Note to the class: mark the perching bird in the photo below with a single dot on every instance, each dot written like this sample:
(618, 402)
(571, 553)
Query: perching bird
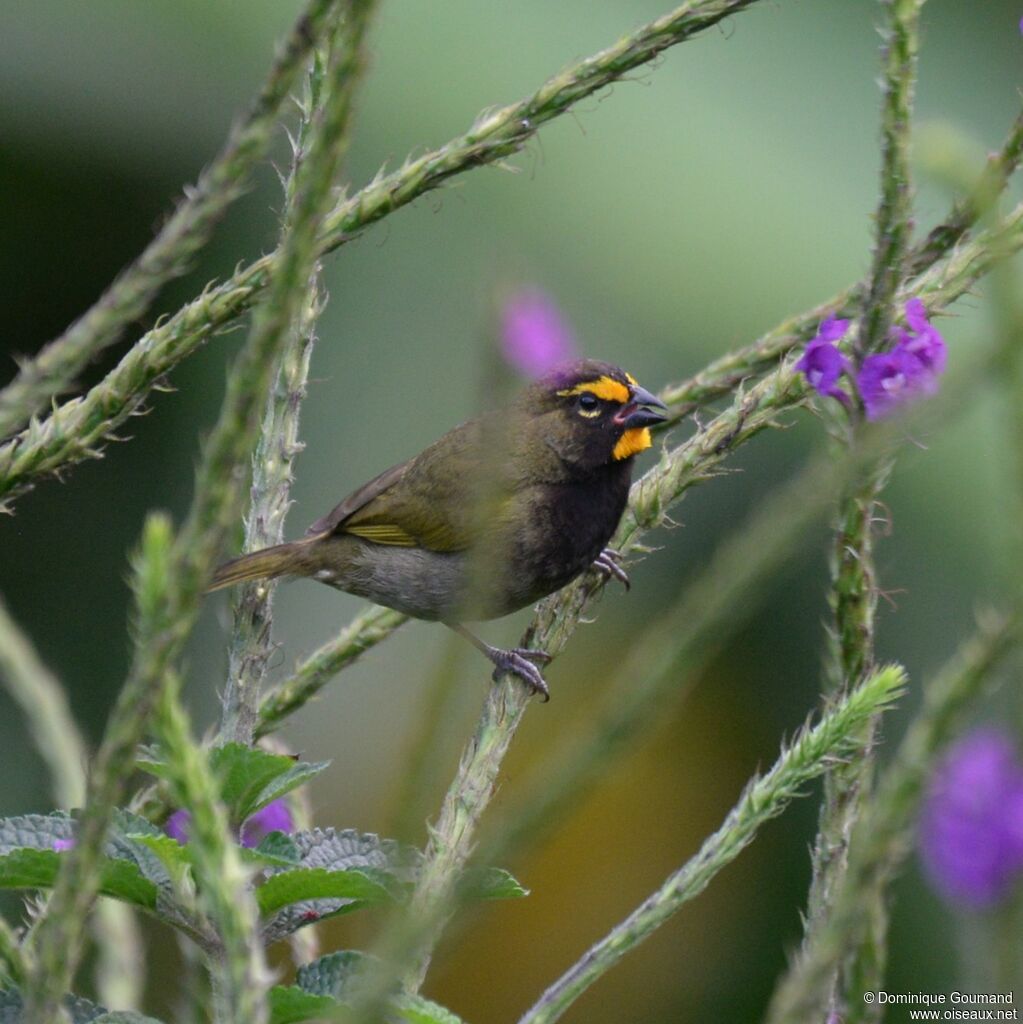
(500, 512)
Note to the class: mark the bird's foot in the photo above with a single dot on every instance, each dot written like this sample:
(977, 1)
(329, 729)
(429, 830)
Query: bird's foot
(607, 564)
(519, 662)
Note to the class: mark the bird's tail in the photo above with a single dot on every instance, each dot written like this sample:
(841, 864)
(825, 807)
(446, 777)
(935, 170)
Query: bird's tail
(262, 565)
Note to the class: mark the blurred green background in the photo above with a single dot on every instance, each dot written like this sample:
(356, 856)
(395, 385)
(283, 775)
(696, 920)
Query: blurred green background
(675, 216)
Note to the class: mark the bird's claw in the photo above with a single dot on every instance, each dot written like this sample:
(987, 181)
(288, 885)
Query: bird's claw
(606, 563)
(519, 662)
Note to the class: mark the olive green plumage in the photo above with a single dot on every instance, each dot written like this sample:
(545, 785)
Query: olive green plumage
(498, 513)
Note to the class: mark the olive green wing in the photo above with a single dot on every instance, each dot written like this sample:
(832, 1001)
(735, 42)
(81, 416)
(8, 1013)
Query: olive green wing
(430, 502)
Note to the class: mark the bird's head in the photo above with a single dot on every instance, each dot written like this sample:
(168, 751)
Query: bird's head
(592, 413)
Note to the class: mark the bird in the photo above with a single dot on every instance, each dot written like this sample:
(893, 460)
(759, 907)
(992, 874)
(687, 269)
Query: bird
(500, 512)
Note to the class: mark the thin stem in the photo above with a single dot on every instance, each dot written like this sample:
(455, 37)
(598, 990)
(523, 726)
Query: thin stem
(853, 596)
(170, 253)
(173, 605)
(278, 444)
(810, 754)
(883, 835)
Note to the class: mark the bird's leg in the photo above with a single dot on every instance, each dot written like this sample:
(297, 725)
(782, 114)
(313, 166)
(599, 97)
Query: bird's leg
(516, 660)
(606, 563)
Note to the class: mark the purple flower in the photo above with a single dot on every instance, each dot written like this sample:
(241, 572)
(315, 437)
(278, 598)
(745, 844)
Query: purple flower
(924, 341)
(63, 844)
(822, 363)
(911, 369)
(275, 817)
(535, 336)
(176, 826)
(887, 380)
(971, 825)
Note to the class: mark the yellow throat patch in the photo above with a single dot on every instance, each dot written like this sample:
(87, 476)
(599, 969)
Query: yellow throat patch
(605, 387)
(632, 442)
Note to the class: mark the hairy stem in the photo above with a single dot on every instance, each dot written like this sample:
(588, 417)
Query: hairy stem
(278, 444)
(810, 754)
(882, 836)
(853, 596)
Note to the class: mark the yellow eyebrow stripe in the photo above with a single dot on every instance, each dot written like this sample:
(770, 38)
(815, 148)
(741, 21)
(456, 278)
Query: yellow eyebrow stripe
(605, 387)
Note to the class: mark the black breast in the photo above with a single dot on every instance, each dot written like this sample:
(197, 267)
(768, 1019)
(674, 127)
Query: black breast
(569, 524)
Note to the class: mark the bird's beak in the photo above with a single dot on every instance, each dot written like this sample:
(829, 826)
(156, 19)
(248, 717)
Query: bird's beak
(635, 414)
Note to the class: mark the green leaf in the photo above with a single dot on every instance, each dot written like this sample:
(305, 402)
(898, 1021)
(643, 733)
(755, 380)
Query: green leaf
(37, 869)
(289, 1005)
(251, 778)
(359, 885)
(332, 981)
(333, 975)
(387, 862)
(492, 884)
(418, 1010)
(277, 849)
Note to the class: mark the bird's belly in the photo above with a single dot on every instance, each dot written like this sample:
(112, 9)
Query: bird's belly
(420, 583)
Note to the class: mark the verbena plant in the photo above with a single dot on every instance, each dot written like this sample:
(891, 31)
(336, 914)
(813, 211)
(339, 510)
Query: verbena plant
(230, 892)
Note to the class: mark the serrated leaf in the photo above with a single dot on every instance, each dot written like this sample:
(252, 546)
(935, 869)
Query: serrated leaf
(339, 851)
(251, 778)
(131, 825)
(171, 854)
(29, 868)
(492, 884)
(359, 885)
(335, 975)
(295, 776)
(333, 981)
(35, 831)
(290, 1005)
(276, 849)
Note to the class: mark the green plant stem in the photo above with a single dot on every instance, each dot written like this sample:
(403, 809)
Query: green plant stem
(170, 253)
(41, 697)
(883, 835)
(238, 971)
(853, 596)
(810, 754)
(174, 604)
(76, 429)
(278, 444)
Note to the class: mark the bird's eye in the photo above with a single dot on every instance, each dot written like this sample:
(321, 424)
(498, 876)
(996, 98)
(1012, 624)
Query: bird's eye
(589, 405)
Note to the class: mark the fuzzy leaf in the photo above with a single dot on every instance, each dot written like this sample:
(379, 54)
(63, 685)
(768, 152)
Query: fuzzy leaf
(250, 778)
(336, 977)
(333, 975)
(277, 849)
(336, 851)
(356, 885)
(289, 1005)
(37, 869)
